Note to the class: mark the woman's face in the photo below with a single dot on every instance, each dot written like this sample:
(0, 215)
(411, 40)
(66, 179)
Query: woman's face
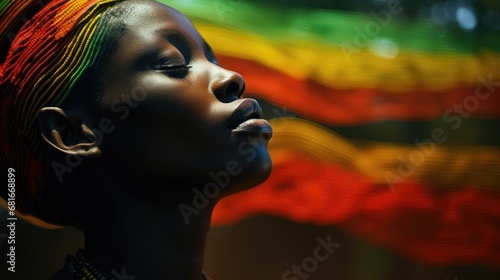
(176, 113)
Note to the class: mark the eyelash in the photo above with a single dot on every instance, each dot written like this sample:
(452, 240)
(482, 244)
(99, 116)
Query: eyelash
(173, 69)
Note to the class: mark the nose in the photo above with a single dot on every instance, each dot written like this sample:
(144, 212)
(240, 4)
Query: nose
(227, 85)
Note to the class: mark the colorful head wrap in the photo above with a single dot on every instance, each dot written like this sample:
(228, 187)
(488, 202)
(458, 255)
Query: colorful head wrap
(44, 60)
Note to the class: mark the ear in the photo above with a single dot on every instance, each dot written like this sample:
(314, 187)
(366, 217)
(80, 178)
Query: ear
(66, 135)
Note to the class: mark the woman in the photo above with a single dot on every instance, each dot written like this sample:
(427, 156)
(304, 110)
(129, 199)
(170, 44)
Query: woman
(117, 119)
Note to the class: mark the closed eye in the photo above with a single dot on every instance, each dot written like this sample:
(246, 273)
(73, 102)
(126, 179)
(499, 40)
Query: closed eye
(177, 71)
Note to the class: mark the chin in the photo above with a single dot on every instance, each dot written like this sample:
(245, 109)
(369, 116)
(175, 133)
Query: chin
(250, 174)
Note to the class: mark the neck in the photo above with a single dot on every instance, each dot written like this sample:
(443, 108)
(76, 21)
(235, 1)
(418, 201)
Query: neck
(148, 240)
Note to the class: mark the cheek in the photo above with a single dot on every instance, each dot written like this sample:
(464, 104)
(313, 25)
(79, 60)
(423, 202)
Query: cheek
(163, 104)
(168, 124)
(169, 133)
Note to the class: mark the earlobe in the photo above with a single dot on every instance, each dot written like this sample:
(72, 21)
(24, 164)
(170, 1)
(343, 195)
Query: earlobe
(66, 135)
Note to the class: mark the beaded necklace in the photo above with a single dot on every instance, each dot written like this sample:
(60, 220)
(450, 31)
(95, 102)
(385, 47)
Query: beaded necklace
(79, 267)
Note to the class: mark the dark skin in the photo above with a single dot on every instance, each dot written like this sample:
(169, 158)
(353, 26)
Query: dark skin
(175, 117)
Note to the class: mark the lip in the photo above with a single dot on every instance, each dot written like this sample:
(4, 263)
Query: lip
(259, 127)
(248, 118)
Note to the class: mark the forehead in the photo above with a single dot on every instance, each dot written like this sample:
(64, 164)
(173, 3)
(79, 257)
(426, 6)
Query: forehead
(150, 21)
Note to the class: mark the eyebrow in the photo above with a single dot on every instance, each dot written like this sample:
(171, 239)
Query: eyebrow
(174, 36)
(171, 34)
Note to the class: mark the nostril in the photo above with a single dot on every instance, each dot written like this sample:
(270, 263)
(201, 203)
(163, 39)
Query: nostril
(233, 89)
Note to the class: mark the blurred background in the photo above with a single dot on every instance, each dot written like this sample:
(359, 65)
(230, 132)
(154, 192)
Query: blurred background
(387, 134)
